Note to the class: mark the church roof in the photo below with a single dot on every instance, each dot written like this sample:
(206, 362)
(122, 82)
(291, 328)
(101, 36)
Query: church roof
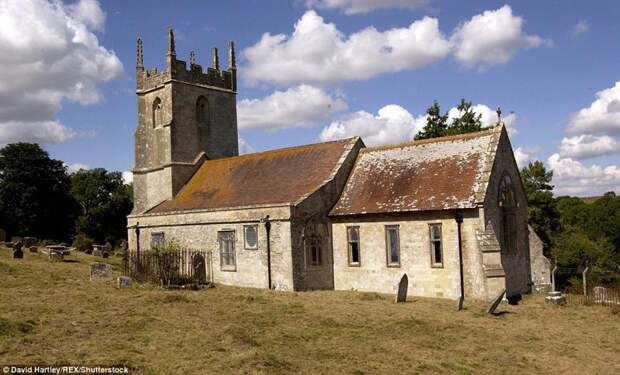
(277, 177)
(435, 174)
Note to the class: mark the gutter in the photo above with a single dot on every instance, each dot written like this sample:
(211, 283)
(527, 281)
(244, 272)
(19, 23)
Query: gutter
(267, 223)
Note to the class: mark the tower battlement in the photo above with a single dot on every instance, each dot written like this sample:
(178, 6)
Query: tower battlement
(191, 73)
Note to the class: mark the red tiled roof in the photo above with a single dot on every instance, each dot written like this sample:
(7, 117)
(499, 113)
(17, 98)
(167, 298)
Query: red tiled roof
(436, 174)
(281, 176)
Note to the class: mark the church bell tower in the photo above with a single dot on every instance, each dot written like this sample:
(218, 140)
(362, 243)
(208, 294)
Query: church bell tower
(185, 116)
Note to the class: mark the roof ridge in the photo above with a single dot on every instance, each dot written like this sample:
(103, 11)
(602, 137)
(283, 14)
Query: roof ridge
(343, 140)
(447, 138)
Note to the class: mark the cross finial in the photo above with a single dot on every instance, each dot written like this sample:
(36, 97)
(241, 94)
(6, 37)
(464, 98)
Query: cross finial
(192, 58)
(139, 58)
(499, 115)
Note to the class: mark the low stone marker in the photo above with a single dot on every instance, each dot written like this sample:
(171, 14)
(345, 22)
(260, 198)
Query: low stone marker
(496, 301)
(401, 292)
(100, 272)
(56, 256)
(34, 249)
(123, 282)
(555, 298)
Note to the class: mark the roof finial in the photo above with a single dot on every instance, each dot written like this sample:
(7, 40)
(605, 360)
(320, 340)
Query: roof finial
(192, 58)
(171, 48)
(231, 55)
(216, 59)
(139, 58)
(499, 115)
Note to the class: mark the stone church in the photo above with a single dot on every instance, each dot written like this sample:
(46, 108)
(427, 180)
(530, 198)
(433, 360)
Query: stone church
(449, 212)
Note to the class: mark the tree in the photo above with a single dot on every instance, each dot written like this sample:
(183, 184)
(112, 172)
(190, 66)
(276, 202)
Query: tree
(467, 122)
(105, 201)
(543, 215)
(436, 123)
(34, 193)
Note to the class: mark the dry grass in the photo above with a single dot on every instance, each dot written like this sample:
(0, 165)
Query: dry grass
(52, 314)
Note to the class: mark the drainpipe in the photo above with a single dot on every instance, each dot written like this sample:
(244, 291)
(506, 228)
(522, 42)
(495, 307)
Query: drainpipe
(458, 217)
(268, 230)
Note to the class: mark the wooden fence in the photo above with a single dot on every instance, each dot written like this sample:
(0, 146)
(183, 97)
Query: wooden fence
(170, 268)
(598, 295)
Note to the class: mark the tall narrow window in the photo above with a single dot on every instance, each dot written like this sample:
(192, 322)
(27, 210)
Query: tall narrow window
(158, 117)
(250, 234)
(226, 240)
(392, 244)
(353, 237)
(202, 111)
(157, 239)
(508, 217)
(436, 246)
(314, 256)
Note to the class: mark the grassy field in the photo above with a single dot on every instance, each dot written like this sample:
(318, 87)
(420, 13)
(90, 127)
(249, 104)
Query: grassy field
(52, 314)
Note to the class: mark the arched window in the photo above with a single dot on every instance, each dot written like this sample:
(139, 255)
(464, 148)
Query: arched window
(158, 117)
(202, 111)
(508, 217)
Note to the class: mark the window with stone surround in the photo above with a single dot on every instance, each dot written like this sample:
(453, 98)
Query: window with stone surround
(392, 245)
(226, 240)
(157, 239)
(353, 239)
(250, 235)
(436, 245)
(314, 254)
(202, 111)
(158, 116)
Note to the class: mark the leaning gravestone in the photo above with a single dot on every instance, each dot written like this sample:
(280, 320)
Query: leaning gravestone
(100, 272)
(496, 301)
(123, 282)
(401, 292)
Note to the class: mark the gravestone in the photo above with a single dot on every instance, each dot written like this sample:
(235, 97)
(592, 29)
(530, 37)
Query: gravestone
(17, 251)
(555, 298)
(34, 249)
(29, 241)
(496, 301)
(401, 292)
(600, 294)
(100, 272)
(123, 282)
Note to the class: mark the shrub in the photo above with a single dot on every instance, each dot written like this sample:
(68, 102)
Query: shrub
(82, 242)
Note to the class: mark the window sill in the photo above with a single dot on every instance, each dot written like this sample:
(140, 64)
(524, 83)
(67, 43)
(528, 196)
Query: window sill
(228, 269)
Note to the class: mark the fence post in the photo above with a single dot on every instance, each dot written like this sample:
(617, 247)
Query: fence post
(585, 288)
(553, 276)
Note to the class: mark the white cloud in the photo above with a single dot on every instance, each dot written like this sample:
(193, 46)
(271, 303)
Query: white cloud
(574, 178)
(601, 117)
(489, 117)
(298, 106)
(581, 27)
(522, 157)
(48, 52)
(317, 52)
(74, 167)
(588, 146)
(365, 6)
(392, 124)
(127, 177)
(245, 147)
(491, 38)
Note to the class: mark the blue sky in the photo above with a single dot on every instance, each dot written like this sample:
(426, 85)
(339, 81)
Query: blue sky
(543, 60)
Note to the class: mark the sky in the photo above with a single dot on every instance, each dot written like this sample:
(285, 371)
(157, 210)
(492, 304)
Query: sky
(317, 70)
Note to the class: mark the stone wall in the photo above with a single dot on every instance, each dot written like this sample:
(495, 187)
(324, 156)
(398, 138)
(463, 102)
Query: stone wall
(516, 266)
(541, 266)
(373, 274)
(199, 230)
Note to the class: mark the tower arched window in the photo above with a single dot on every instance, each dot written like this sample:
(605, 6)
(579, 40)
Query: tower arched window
(508, 215)
(202, 111)
(158, 117)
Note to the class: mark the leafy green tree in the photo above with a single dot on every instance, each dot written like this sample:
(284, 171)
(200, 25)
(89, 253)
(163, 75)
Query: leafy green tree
(468, 121)
(34, 193)
(543, 215)
(574, 248)
(436, 123)
(105, 201)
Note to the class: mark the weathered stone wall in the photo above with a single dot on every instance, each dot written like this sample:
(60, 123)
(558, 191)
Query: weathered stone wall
(541, 266)
(198, 230)
(374, 275)
(310, 219)
(515, 265)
